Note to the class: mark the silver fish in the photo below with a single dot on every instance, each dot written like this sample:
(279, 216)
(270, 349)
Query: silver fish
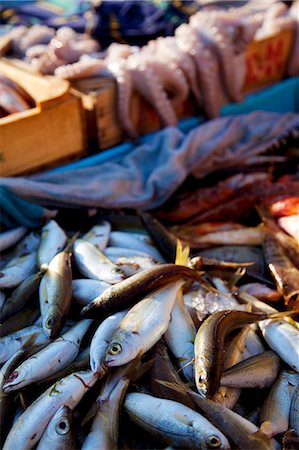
(99, 235)
(174, 422)
(86, 290)
(17, 270)
(259, 371)
(53, 239)
(55, 293)
(180, 337)
(20, 340)
(59, 434)
(134, 241)
(143, 326)
(133, 264)
(92, 263)
(28, 429)
(11, 237)
(283, 338)
(274, 417)
(57, 355)
(100, 341)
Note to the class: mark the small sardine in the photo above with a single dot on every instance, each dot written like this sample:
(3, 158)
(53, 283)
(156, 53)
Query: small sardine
(11, 237)
(209, 344)
(105, 425)
(124, 294)
(21, 295)
(59, 434)
(93, 264)
(143, 326)
(53, 239)
(180, 337)
(274, 417)
(135, 242)
(17, 270)
(22, 319)
(100, 342)
(99, 235)
(55, 293)
(283, 338)
(86, 290)
(56, 356)
(175, 423)
(30, 426)
(259, 371)
(20, 340)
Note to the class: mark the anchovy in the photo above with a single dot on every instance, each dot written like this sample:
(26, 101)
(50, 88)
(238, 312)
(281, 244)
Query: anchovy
(17, 270)
(93, 264)
(175, 423)
(53, 239)
(124, 294)
(30, 426)
(57, 355)
(59, 434)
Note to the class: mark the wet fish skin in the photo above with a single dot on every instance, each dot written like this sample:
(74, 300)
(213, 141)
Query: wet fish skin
(175, 423)
(93, 264)
(228, 396)
(53, 240)
(55, 293)
(283, 338)
(134, 242)
(59, 434)
(143, 326)
(105, 425)
(6, 400)
(17, 270)
(85, 290)
(124, 294)
(57, 355)
(99, 234)
(20, 340)
(209, 344)
(163, 371)
(30, 426)
(180, 337)
(20, 296)
(242, 432)
(22, 319)
(259, 371)
(100, 342)
(134, 264)
(11, 237)
(274, 417)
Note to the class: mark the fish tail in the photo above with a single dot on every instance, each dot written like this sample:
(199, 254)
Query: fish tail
(182, 254)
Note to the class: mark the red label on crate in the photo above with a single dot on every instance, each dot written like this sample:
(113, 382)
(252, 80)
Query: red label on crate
(266, 60)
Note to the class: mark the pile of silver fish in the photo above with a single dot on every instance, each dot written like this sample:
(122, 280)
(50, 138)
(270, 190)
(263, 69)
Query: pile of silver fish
(106, 344)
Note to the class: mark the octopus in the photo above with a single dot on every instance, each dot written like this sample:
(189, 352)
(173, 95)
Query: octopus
(293, 64)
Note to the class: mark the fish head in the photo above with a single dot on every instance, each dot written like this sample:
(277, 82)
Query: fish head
(15, 379)
(201, 380)
(62, 423)
(214, 439)
(52, 324)
(121, 349)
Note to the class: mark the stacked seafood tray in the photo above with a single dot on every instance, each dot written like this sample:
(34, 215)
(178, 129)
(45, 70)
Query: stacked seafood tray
(123, 336)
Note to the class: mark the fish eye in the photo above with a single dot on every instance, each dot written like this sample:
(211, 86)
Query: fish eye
(213, 442)
(62, 427)
(115, 349)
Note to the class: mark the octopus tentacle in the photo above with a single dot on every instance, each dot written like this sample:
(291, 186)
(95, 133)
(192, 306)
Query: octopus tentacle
(85, 67)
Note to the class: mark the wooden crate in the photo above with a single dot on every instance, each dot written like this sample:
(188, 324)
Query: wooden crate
(266, 60)
(44, 136)
(99, 99)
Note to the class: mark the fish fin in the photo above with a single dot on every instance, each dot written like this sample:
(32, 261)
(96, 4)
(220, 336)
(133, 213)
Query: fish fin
(182, 254)
(264, 432)
(69, 246)
(281, 314)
